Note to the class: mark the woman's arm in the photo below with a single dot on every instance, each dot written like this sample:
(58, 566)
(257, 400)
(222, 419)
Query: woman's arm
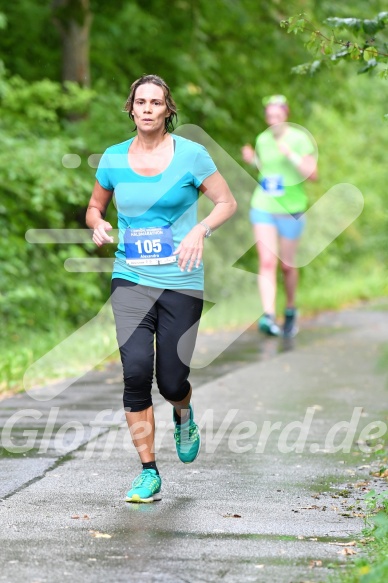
(306, 165)
(95, 214)
(217, 190)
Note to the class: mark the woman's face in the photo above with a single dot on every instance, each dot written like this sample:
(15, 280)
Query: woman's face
(275, 114)
(149, 108)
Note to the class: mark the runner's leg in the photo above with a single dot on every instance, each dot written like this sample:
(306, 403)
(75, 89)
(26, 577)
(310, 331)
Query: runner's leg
(288, 249)
(135, 316)
(266, 244)
(179, 313)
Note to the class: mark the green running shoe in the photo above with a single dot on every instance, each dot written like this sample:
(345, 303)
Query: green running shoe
(187, 439)
(268, 325)
(290, 328)
(146, 487)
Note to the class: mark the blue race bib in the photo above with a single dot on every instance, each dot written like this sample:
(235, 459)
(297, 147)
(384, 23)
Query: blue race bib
(149, 246)
(273, 185)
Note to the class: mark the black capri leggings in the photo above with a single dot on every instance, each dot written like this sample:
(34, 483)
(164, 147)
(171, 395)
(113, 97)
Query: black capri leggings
(142, 314)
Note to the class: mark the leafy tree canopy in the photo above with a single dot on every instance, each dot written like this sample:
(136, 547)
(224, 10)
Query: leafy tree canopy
(363, 40)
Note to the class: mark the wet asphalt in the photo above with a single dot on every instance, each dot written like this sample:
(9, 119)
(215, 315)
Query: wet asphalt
(273, 497)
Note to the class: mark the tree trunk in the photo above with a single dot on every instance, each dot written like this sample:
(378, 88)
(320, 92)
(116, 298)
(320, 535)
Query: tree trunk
(73, 20)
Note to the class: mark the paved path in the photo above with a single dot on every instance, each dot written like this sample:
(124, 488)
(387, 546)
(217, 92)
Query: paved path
(250, 509)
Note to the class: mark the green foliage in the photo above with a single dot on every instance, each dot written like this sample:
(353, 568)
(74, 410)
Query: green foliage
(372, 566)
(37, 191)
(363, 41)
(31, 45)
(370, 562)
(358, 25)
(295, 24)
(377, 501)
(38, 108)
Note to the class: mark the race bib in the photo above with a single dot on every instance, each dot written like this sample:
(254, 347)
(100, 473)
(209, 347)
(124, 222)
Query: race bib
(149, 246)
(273, 185)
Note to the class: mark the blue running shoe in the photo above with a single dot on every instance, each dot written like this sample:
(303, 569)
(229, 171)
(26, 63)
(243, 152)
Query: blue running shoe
(187, 439)
(290, 328)
(146, 487)
(268, 325)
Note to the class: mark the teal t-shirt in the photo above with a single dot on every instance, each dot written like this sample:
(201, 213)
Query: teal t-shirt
(280, 186)
(155, 213)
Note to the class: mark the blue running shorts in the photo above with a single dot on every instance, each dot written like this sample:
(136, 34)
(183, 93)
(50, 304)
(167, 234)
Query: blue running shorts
(289, 226)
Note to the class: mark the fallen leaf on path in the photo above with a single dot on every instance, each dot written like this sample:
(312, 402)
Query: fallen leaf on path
(349, 544)
(380, 474)
(76, 516)
(347, 551)
(314, 564)
(97, 534)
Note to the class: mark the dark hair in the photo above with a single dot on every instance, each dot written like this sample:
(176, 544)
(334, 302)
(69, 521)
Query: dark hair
(156, 80)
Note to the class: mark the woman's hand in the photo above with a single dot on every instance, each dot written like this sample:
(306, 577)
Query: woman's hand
(284, 148)
(248, 154)
(100, 236)
(306, 165)
(98, 204)
(190, 249)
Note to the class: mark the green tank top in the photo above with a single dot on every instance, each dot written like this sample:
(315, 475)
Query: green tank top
(280, 186)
